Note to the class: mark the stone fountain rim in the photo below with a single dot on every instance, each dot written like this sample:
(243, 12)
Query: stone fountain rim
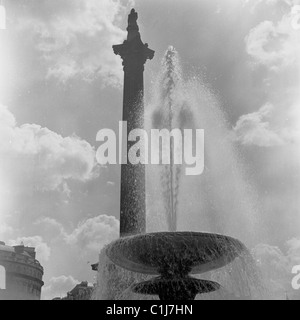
(121, 261)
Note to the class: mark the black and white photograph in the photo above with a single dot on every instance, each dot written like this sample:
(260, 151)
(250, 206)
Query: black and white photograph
(149, 151)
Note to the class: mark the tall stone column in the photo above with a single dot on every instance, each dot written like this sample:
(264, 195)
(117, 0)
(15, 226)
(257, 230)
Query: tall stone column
(134, 54)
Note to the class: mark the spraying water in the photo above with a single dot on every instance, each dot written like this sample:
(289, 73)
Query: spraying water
(168, 110)
(164, 117)
(221, 199)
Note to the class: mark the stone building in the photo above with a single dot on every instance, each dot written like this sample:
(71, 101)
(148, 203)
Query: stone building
(82, 291)
(20, 273)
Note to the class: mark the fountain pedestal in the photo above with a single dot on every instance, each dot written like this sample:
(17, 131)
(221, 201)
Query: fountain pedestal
(177, 289)
(173, 256)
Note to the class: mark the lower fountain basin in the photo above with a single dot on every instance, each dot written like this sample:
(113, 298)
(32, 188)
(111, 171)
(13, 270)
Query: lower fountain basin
(181, 289)
(174, 253)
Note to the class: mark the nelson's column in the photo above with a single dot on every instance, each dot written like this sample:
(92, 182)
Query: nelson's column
(134, 54)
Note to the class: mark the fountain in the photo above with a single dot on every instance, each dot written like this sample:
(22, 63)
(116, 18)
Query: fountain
(171, 256)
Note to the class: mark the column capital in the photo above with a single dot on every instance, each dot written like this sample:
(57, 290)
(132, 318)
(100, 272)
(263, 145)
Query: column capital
(133, 51)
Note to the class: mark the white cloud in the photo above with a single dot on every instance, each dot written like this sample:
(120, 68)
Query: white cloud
(75, 38)
(58, 287)
(50, 227)
(43, 251)
(275, 45)
(91, 234)
(33, 156)
(253, 129)
(257, 4)
(94, 233)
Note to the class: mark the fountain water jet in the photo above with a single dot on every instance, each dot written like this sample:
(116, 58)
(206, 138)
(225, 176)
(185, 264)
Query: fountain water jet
(170, 113)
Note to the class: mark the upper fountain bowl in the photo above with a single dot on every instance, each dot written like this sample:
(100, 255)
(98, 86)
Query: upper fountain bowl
(174, 253)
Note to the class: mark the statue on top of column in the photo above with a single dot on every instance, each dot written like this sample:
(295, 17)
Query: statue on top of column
(132, 20)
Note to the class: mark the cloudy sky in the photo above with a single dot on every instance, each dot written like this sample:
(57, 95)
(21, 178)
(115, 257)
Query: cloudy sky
(60, 83)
